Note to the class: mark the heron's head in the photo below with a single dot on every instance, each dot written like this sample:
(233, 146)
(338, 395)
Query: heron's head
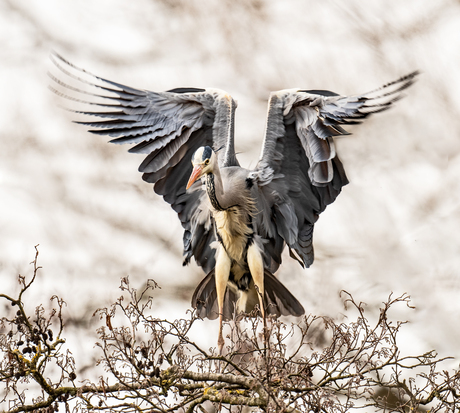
(204, 160)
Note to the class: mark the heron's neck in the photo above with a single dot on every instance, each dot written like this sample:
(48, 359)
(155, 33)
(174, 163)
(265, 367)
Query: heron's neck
(215, 190)
(223, 128)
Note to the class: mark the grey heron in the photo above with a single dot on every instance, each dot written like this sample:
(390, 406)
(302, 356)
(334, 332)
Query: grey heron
(236, 221)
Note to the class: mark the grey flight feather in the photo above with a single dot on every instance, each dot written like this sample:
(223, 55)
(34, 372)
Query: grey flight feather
(168, 127)
(299, 172)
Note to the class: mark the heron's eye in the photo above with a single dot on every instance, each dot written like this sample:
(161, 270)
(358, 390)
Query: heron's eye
(206, 162)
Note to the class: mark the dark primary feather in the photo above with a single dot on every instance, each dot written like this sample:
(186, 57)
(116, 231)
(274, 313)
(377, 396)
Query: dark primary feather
(321, 92)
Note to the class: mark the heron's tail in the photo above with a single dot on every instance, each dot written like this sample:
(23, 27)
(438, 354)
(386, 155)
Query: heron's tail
(277, 299)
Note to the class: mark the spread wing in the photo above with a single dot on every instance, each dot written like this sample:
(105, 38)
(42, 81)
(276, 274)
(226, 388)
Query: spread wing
(299, 172)
(168, 127)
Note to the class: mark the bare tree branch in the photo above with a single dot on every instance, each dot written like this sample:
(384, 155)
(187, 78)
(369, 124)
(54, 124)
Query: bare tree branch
(153, 364)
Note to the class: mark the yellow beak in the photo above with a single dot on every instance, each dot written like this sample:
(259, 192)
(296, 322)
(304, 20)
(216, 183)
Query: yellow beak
(196, 173)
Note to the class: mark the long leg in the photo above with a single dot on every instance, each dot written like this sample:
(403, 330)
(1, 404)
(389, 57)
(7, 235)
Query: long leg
(223, 265)
(256, 267)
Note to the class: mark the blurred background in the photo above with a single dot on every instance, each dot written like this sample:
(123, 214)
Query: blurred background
(395, 227)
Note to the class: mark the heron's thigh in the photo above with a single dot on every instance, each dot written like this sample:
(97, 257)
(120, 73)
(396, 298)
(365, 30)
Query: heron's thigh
(223, 265)
(256, 266)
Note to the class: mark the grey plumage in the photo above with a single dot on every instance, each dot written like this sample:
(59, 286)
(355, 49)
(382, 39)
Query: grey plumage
(240, 213)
